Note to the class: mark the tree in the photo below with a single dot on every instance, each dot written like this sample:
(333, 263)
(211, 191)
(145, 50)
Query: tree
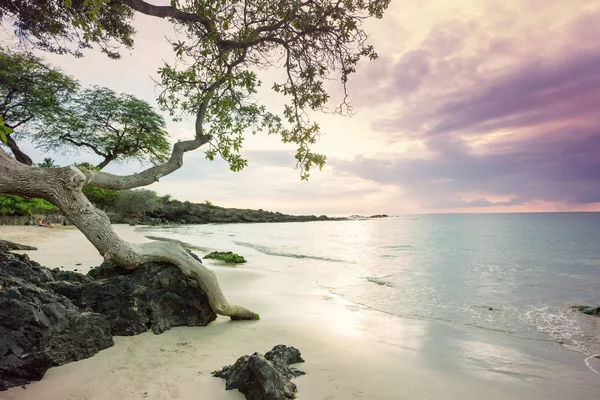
(115, 127)
(136, 202)
(48, 163)
(213, 80)
(69, 26)
(101, 198)
(47, 106)
(31, 95)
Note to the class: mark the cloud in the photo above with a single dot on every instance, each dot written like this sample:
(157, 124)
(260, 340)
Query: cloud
(560, 170)
(510, 114)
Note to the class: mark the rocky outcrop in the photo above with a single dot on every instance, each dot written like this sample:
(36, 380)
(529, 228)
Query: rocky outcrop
(364, 218)
(40, 328)
(265, 377)
(5, 245)
(589, 310)
(52, 317)
(155, 295)
(226, 256)
(177, 212)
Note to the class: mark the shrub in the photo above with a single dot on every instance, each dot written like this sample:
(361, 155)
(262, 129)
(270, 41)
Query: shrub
(136, 202)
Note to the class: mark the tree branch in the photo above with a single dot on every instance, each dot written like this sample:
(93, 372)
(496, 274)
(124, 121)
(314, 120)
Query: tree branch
(169, 12)
(67, 138)
(153, 174)
(149, 176)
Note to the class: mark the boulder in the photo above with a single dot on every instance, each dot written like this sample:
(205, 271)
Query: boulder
(40, 328)
(265, 377)
(52, 317)
(155, 295)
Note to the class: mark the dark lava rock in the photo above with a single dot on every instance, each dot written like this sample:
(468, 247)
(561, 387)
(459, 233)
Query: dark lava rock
(265, 377)
(155, 295)
(38, 327)
(177, 212)
(589, 310)
(5, 245)
(52, 317)
(283, 356)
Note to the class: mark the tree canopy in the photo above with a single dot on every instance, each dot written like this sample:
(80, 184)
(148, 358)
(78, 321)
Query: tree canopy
(69, 26)
(221, 45)
(51, 109)
(31, 95)
(115, 127)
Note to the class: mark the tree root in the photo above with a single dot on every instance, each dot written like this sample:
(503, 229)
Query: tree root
(207, 280)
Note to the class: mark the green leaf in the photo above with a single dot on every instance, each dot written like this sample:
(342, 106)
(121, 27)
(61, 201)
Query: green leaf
(3, 137)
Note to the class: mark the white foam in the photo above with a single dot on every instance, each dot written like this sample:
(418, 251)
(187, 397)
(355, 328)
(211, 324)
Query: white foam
(589, 365)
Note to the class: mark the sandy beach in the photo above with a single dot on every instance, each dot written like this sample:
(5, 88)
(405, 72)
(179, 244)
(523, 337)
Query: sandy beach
(351, 351)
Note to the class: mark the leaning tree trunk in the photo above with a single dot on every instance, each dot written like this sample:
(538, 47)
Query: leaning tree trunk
(62, 187)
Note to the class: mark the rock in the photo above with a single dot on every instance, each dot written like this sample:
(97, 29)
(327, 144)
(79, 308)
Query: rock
(264, 377)
(52, 317)
(226, 256)
(5, 245)
(38, 327)
(283, 356)
(155, 295)
(177, 212)
(589, 310)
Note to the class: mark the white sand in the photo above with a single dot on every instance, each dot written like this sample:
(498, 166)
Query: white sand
(351, 352)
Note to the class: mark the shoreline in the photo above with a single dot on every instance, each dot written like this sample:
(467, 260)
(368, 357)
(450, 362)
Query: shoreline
(350, 351)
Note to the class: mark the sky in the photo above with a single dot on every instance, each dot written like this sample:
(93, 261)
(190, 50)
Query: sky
(472, 106)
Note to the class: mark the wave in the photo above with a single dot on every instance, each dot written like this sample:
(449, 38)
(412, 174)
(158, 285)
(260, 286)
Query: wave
(569, 327)
(397, 247)
(536, 325)
(272, 252)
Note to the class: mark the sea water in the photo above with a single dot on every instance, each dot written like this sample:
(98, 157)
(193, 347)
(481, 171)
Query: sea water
(516, 275)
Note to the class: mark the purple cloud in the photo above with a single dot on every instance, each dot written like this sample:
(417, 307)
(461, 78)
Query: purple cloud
(559, 171)
(496, 116)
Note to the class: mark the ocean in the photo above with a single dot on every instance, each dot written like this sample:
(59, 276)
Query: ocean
(513, 277)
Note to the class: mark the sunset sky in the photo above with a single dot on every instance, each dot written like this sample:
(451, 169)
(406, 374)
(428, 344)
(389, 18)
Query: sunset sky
(473, 106)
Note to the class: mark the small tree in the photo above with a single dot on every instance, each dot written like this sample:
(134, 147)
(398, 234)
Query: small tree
(47, 106)
(136, 202)
(31, 95)
(104, 199)
(212, 80)
(48, 163)
(113, 126)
